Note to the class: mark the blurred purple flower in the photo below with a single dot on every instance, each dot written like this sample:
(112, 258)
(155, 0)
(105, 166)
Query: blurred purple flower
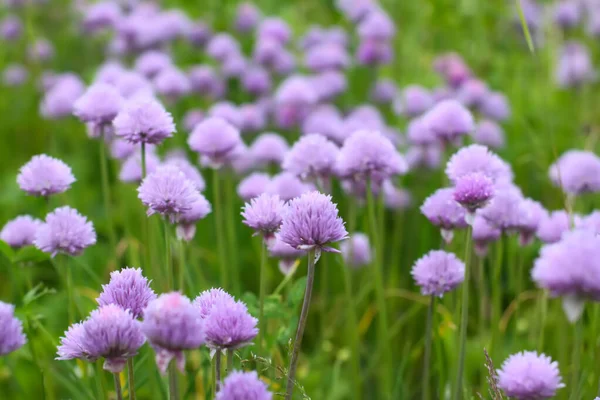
(413, 101)
(576, 172)
(215, 139)
(101, 15)
(489, 133)
(312, 158)
(288, 186)
(11, 331)
(172, 83)
(222, 46)
(443, 211)
(264, 214)
(152, 62)
(356, 251)
(484, 233)
(552, 226)
(294, 99)
(206, 82)
(567, 13)
(527, 375)
(327, 121)
(575, 66)
(44, 175)
(14, 75)
(244, 386)
(274, 28)
(383, 91)
(11, 28)
(131, 170)
(41, 50)
(395, 198)
(377, 25)
(256, 81)
(247, 17)
(326, 56)
(192, 118)
(144, 120)
(199, 34)
(287, 254)
(65, 231)
(269, 149)
(99, 105)
(495, 105)
(478, 159)
(438, 272)
(20, 231)
(58, 102)
(449, 120)
(374, 52)
(186, 228)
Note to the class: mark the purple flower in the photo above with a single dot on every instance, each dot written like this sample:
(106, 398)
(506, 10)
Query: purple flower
(552, 226)
(253, 117)
(395, 198)
(438, 272)
(590, 222)
(327, 121)
(244, 386)
(577, 172)
(495, 106)
(478, 159)
(222, 46)
(172, 83)
(504, 211)
(172, 324)
(384, 91)
(186, 229)
(11, 330)
(14, 75)
(356, 251)
(372, 52)
(312, 157)
(168, 192)
(274, 28)
(418, 133)
(189, 170)
(152, 62)
(44, 176)
(256, 81)
(287, 254)
(101, 15)
(269, 148)
(215, 139)
(65, 231)
(449, 120)
(199, 34)
(132, 84)
(328, 85)
(413, 101)
(294, 99)
(472, 92)
(234, 66)
(484, 233)
(442, 210)
(488, 133)
(131, 170)
(128, 289)
(288, 186)
(429, 156)
(144, 120)
(109, 332)
(575, 66)
(206, 82)
(310, 221)
(326, 56)
(452, 68)
(207, 299)
(531, 214)
(264, 214)
(109, 72)
(192, 118)
(58, 102)
(40, 51)
(99, 105)
(229, 325)
(527, 375)
(368, 155)
(20, 231)
(473, 191)
(11, 28)
(253, 185)
(247, 17)
(377, 25)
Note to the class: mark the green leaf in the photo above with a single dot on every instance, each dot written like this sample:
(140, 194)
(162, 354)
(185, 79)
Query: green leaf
(30, 254)
(296, 294)
(36, 293)
(6, 250)
(274, 308)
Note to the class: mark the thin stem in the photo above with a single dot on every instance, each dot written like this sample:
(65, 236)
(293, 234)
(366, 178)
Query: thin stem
(217, 371)
(182, 267)
(229, 361)
(100, 380)
(130, 378)
(70, 295)
(262, 294)
(427, 356)
(173, 381)
(34, 355)
(231, 233)
(543, 311)
(464, 318)
(323, 296)
(383, 332)
(168, 259)
(483, 300)
(575, 364)
(219, 227)
(310, 278)
(117, 381)
(106, 191)
(143, 160)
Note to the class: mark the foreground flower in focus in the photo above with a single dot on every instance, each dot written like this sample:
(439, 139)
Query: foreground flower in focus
(65, 231)
(128, 289)
(207, 300)
(20, 231)
(44, 176)
(11, 330)
(229, 325)
(244, 386)
(144, 120)
(438, 272)
(527, 375)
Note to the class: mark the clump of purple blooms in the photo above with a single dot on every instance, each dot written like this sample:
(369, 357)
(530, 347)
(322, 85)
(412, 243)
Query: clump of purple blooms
(529, 375)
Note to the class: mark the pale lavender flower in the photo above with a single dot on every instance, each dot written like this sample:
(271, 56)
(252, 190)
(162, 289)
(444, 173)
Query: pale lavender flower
(443, 211)
(44, 176)
(101, 15)
(222, 46)
(199, 34)
(413, 101)
(356, 251)
(567, 13)
(473, 191)
(326, 56)
(11, 28)
(188, 169)
(528, 375)
(418, 133)
(244, 386)
(192, 118)
(131, 170)
(552, 226)
(589, 222)
(327, 121)
(495, 106)
(58, 102)
(227, 111)
(269, 148)
(449, 120)
(328, 85)
(373, 53)
(274, 28)
(99, 105)
(20, 231)
(205, 81)
(215, 139)
(484, 233)
(489, 133)
(247, 17)
(576, 172)
(109, 72)
(267, 52)
(294, 99)
(452, 68)
(288, 186)
(383, 91)
(128, 289)
(168, 192)
(377, 25)
(312, 157)
(575, 66)
(11, 330)
(65, 231)
(40, 51)
(472, 92)
(287, 254)
(186, 228)
(438, 272)
(133, 84)
(478, 159)
(395, 198)
(207, 299)
(14, 75)
(121, 149)
(253, 185)
(253, 117)
(152, 62)
(172, 83)
(256, 81)
(144, 120)
(229, 325)
(264, 214)
(531, 214)
(503, 212)
(312, 221)
(429, 156)
(172, 325)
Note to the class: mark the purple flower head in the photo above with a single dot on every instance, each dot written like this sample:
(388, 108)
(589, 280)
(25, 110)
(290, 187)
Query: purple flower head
(449, 120)
(429, 156)
(112, 333)
(288, 186)
(121, 149)
(239, 159)
(329, 84)
(326, 56)
(128, 289)
(109, 72)
(483, 234)
(356, 251)
(413, 101)
(495, 106)
(503, 212)
(374, 52)
(131, 84)
(206, 82)
(418, 133)
(442, 210)
(356, 10)
(65, 231)
(384, 91)
(214, 138)
(552, 226)
(101, 15)
(452, 68)
(489, 133)
(472, 92)
(58, 102)
(247, 17)
(20, 231)
(40, 51)
(222, 46)
(207, 299)
(131, 170)
(395, 198)
(152, 62)
(171, 325)
(287, 254)
(527, 375)
(577, 172)
(294, 99)
(11, 28)
(264, 214)
(99, 105)
(575, 66)
(377, 25)
(14, 75)
(312, 157)
(186, 229)
(44, 176)
(144, 120)
(567, 14)
(234, 66)
(227, 111)
(229, 325)
(168, 192)
(267, 52)
(310, 221)
(253, 185)
(256, 81)
(478, 159)
(192, 118)
(11, 330)
(189, 170)
(473, 191)
(276, 29)
(438, 272)
(199, 34)
(368, 155)
(590, 222)
(269, 148)
(244, 386)
(531, 214)
(172, 83)
(327, 120)
(253, 117)
(71, 346)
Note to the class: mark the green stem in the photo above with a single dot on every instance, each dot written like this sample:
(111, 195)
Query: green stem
(168, 259)
(383, 333)
(575, 364)
(34, 355)
(106, 192)
(464, 318)
(543, 311)
(143, 160)
(118, 391)
(131, 378)
(483, 300)
(232, 234)
(310, 278)
(229, 361)
(173, 381)
(262, 293)
(217, 384)
(427, 356)
(323, 297)
(222, 253)
(100, 380)
(70, 295)
(182, 267)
